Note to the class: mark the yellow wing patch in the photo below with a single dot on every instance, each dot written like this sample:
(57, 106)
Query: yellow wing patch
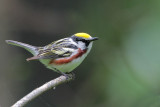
(83, 35)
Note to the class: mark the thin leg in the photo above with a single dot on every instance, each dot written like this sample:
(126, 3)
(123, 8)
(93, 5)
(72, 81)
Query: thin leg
(64, 74)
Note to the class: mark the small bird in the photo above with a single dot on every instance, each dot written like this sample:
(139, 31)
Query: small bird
(63, 55)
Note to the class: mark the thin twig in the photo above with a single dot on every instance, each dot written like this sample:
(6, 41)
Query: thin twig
(38, 91)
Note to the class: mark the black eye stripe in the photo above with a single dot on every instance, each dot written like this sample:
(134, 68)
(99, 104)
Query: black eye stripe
(85, 41)
(77, 39)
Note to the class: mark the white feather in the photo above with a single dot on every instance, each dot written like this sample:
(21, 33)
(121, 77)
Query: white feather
(68, 67)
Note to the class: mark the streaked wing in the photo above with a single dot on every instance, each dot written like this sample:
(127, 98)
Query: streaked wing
(58, 49)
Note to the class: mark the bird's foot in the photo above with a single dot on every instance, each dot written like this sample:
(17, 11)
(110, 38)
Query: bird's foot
(70, 75)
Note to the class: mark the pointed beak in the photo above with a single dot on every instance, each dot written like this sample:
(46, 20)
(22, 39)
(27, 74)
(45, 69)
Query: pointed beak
(93, 39)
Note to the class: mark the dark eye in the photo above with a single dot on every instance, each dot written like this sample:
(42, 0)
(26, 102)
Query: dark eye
(83, 40)
(76, 39)
(86, 42)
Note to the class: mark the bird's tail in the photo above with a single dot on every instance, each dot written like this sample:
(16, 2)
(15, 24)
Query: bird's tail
(30, 48)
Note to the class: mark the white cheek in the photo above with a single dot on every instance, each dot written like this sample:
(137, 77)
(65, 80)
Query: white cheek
(81, 45)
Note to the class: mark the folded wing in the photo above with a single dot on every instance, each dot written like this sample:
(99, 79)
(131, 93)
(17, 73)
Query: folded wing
(53, 51)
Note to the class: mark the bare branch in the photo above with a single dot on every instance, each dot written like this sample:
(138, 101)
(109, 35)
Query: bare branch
(38, 91)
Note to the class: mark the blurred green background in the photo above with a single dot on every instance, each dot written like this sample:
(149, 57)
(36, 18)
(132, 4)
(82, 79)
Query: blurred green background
(122, 70)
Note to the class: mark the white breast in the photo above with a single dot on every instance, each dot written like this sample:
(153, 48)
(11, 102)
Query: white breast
(68, 67)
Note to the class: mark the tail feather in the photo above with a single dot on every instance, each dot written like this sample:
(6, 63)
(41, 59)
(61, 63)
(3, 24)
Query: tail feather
(30, 48)
(32, 58)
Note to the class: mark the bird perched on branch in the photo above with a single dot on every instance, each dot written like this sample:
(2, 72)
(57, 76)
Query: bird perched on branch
(63, 55)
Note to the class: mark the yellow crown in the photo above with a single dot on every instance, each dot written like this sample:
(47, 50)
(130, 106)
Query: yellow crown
(83, 35)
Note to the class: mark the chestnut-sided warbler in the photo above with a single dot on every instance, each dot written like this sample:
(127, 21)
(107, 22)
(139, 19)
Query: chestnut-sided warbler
(62, 55)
